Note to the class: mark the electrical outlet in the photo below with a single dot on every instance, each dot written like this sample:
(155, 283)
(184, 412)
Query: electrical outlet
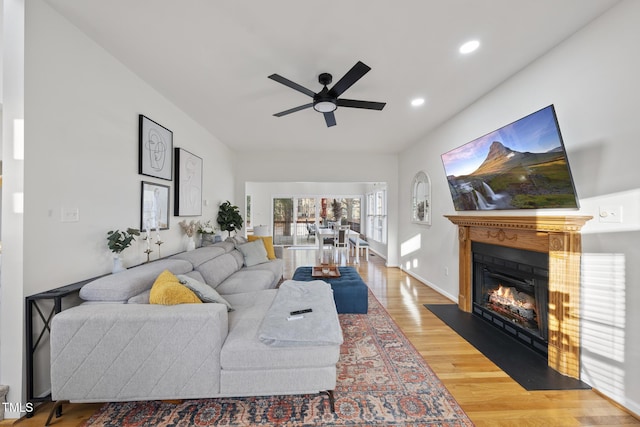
(610, 214)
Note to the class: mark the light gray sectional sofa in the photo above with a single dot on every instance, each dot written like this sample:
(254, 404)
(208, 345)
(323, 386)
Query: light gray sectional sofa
(118, 347)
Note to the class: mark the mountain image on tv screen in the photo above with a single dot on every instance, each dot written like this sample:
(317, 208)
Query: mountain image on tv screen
(522, 165)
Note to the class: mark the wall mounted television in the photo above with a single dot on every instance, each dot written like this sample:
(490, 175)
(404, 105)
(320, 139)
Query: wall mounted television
(522, 165)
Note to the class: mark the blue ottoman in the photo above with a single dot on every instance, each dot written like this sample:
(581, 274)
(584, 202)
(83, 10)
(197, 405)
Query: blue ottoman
(349, 291)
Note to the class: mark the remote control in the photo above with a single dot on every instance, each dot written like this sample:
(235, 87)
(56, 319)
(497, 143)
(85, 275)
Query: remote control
(306, 310)
(295, 317)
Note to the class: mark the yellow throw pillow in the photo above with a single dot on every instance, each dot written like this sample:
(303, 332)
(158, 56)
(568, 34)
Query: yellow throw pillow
(167, 290)
(268, 244)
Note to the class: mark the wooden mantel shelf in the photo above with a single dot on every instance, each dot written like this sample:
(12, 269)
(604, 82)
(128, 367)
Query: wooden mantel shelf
(538, 223)
(558, 236)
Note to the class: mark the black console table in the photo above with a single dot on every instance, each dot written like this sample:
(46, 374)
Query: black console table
(31, 309)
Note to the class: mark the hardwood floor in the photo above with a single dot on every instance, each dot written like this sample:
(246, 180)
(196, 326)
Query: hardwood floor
(487, 394)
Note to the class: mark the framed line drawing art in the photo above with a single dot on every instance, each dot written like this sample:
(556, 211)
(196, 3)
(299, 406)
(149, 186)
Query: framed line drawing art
(155, 147)
(154, 207)
(187, 199)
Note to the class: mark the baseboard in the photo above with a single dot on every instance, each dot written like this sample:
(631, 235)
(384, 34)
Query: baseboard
(424, 281)
(629, 407)
(371, 251)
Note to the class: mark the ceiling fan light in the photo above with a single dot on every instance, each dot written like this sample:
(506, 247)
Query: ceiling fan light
(324, 106)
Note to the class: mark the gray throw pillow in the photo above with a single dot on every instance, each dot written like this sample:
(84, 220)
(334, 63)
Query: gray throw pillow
(205, 292)
(254, 253)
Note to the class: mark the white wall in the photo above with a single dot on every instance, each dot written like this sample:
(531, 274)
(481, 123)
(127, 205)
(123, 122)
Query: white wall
(592, 79)
(324, 167)
(82, 111)
(11, 291)
(81, 152)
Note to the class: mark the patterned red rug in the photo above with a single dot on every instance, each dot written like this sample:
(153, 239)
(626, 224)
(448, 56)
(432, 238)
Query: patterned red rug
(382, 381)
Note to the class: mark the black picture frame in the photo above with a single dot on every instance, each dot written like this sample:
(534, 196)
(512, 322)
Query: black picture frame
(155, 149)
(188, 185)
(154, 206)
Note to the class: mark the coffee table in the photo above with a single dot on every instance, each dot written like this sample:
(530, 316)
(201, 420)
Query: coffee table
(350, 293)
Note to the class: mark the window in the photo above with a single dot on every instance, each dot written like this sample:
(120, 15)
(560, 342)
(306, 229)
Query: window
(377, 216)
(345, 210)
(293, 216)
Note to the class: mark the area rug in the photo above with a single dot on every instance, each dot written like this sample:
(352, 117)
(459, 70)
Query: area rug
(382, 381)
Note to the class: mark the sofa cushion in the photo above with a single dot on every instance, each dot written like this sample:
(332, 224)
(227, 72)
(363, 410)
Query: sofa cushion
(268, 244)
(205, 292)
(195, 274)
(254, 253)
(216, 270)
(167, 290)
(227, 245)
(243, 350)
(200, 255)
(237, 255)
(142, 298)
(122, 286)
(247, 280)
(275, 266)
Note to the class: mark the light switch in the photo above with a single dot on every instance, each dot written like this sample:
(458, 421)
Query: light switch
(70, 215)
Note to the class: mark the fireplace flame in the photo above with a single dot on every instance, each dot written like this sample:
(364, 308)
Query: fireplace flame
(511, 297)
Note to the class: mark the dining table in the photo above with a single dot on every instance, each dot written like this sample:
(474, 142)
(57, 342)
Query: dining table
(330, 233)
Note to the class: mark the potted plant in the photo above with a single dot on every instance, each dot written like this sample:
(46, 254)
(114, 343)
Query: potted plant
(118, 241)
(229, 217)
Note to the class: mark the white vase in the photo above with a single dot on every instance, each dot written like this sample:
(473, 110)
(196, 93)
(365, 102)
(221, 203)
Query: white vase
(191, 244)
(117, 264)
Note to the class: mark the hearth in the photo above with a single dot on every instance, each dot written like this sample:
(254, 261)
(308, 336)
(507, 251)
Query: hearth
(510, 292)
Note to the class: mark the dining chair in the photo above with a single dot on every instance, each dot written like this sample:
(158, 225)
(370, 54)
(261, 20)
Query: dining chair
(341, 239)
(311, 230)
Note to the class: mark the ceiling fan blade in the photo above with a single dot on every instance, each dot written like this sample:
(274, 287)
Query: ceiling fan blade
(330, 118)
(369, 105)
(352, 76)
(292, 85)
(293, 110)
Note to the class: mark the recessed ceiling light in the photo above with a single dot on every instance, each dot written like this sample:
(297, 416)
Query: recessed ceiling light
(416, 102)
(469, 46)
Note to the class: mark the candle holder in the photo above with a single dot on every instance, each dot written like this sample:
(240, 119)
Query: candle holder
(159, 242)
(148, 251)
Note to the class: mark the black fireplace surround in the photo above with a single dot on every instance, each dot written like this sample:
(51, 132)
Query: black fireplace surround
(510, 292)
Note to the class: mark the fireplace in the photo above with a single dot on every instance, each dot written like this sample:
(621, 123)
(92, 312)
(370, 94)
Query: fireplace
(510, 291)
(557, 237)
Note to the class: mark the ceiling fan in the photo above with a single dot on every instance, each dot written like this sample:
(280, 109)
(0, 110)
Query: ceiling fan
(327, 100)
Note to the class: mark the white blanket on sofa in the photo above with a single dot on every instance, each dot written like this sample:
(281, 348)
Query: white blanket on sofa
(319, 327)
